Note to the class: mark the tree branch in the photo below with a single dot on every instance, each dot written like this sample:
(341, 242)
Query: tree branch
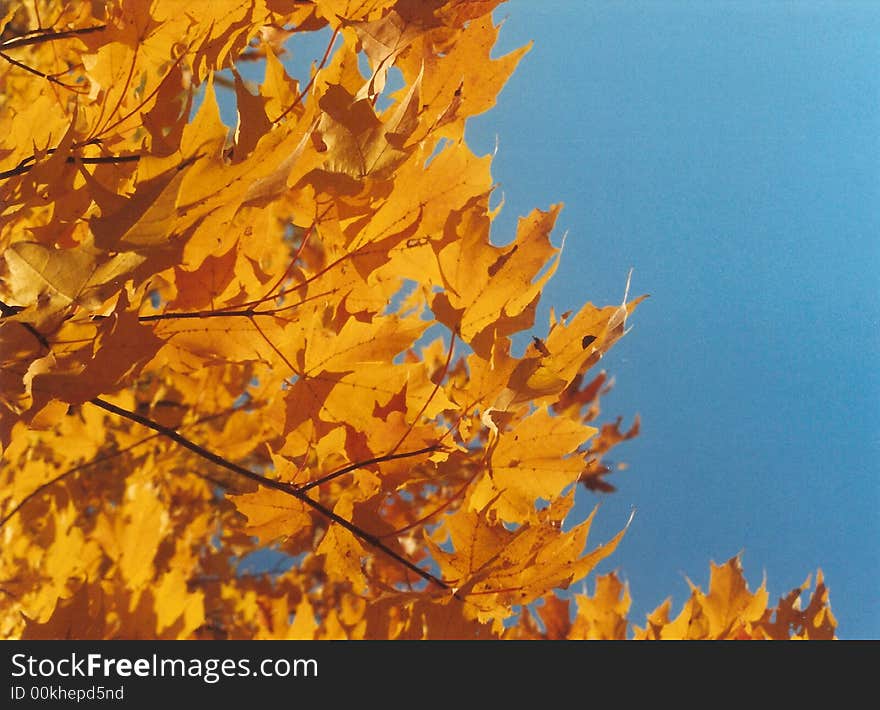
(27, 163)
(285, 488)
(42, 75)
(367, 462)
(94, 462)
(46, 35)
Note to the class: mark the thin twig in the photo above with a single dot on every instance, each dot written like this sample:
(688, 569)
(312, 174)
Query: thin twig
(42, 75)
(94, 462)
(46, 35)
(362, 464)
(26, 164)
(312, 80)
(99, 132)
(220, 313)
(425, 518)
(432, 395)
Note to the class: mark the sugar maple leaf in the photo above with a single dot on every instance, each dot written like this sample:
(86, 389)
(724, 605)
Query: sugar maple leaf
(49, 282)
(789, 620)
(537, 460)
(272, 516)
(494, 294)
(602, 616)
(492, 567)
(730, 611)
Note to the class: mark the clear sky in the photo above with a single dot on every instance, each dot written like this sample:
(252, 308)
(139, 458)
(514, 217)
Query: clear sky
(728, 151)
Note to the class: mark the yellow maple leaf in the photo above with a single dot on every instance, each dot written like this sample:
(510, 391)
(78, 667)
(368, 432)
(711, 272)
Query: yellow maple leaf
(536, 460)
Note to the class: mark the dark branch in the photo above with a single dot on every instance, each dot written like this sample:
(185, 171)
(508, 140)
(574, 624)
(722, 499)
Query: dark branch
(46, 35)
(27, 163)
(41, 339)
(247, 313)
(37, 72)
(101, 159)
(7, 310)
(94, 462)
(362, 464)
(285, 488)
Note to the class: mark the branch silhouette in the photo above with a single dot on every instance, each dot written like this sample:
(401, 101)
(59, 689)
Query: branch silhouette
(370, 539)
(39, 36)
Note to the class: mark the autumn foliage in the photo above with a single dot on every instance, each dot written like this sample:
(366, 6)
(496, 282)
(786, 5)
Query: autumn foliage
(294, 335)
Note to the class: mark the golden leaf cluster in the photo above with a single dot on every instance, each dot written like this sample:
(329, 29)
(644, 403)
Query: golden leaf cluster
(292, 337)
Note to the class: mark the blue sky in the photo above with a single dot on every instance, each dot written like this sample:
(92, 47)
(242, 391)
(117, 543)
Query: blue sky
(728, 151)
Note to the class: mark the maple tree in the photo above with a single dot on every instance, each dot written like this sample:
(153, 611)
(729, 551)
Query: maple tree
(295, 335)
